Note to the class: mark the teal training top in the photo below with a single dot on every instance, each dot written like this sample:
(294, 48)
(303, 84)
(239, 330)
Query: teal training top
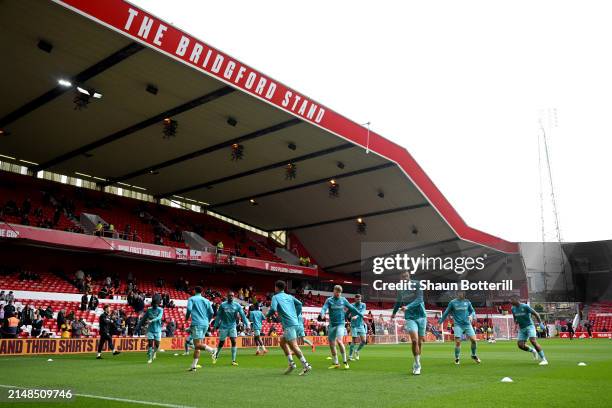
(522, 315)
(460, 310)
(226, 315)
(256, 318)
(413, 300)
(287, 307)
(200, 310)
(358, 322)
(336, 306)
(154, 317)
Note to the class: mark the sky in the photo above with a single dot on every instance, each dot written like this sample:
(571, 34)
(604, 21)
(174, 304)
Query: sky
(462, 85)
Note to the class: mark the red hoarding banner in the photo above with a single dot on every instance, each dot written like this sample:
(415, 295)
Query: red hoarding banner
(585, 335)
(141, 249)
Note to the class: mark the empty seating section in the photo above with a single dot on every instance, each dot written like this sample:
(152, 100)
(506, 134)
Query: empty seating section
(14, 191)
(47, 283)
(601, 316)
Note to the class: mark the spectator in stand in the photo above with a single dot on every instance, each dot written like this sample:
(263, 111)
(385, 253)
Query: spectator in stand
(131, 324)
(61, 319)
(27, 315)
(2, 296)
(170, 327)
(1, 314)
(139, 303)
(119, 323)
(9, 309)
(99, 229)
(93, 302)
(77, 329)
(66, 329)
(11, 328)
(103, 293)
(48, 312)
(84, 302)
(10, 297)
(85, 331)
(25, 220)
(220, 247)
(37, 325)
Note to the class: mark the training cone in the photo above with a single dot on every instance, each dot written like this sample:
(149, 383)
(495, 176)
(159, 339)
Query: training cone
(176, 354)
(506, 379)
(581, 364)
(52, 360)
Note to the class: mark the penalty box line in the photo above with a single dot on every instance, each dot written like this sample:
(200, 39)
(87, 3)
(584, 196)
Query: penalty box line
(102, 397)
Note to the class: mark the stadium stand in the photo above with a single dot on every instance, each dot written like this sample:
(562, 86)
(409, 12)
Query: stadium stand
(600, 314)
(60, 207)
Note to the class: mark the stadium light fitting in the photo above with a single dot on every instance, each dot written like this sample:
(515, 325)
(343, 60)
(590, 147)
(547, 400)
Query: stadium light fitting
(361, 226)
(83, 91)
(232, 121)
(45, 46)
(290, 171)
(334, 189)
(252, 201)
(340, 165)
(292, 146)
(97, 95)
(415, 230)
(170, 128)
(237, 152)
(64, 82)
(152, 89)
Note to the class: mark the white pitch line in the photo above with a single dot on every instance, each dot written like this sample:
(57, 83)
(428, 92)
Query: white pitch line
(158, 404)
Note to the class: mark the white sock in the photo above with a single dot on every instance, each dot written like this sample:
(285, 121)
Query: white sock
(209, 349)
(303, 361)
(195, 363)
(336, 359)
(417, 359)
(343, 356)
(290, 359)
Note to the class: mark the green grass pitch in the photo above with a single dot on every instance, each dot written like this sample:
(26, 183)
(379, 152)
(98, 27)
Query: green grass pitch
(381, 378)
